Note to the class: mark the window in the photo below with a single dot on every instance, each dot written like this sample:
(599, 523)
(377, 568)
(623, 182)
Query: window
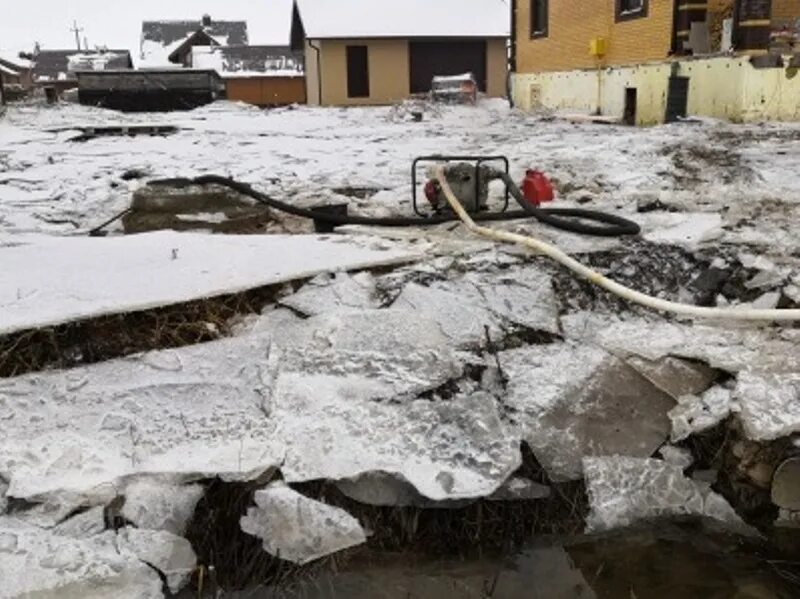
(539, 20)
(357, 72)
(631, 9)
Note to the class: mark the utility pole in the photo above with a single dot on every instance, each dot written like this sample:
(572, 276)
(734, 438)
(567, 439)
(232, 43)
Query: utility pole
(2, 91)
(77, 31)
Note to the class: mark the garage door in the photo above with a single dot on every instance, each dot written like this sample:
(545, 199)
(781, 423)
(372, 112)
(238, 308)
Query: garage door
(446, 58)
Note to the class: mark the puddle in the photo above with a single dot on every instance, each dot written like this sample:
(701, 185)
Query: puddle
(665, 562)
(90, 133)
(360, 193)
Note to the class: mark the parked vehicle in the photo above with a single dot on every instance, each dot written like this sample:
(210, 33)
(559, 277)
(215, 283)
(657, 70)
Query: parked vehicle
(460, 89)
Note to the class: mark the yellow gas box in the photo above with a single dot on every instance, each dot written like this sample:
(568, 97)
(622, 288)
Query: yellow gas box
(598, 46)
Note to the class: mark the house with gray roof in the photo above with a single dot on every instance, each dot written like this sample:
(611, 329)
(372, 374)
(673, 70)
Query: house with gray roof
(57, 68)
(166, 43)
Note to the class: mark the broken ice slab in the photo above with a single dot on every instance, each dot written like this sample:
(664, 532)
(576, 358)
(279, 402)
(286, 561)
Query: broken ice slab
(325, 294)
(298, 529)
(683, 229)
(83, 525)
(522, 295)
(464, 308)
(452, 449)
(767, 362)
(329, 397)
(401, 353)
(381, 489)
(697, 413)
(677, 456)
(193, 412)
(768, 404)
(456, 306)
(574, 400)
(518, 488)
(39, 563)
(624, 490)
(60, 279)
(170, 554)
(674, 376)
(723, 347)
(160, 503)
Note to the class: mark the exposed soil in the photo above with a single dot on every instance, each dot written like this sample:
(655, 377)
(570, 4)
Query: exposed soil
(692, 162)
(108, 337)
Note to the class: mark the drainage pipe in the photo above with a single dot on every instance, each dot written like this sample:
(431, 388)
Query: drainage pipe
(596, 278)
(318, 52)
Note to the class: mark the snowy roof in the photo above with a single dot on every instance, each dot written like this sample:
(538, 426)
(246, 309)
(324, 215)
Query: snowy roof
(51, 65)
(161, 38)
(337, 19)
(14, 63)
(249, 61)
(6, 71)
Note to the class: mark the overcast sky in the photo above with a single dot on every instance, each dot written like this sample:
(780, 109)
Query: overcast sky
(117, 24)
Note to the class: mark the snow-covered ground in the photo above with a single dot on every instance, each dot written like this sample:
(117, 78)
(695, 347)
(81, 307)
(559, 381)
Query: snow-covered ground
(410, 385)
(742, 173)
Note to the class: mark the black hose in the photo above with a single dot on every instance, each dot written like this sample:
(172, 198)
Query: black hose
(618, 226)
(98, 231)
(566, 219)
(334, 219)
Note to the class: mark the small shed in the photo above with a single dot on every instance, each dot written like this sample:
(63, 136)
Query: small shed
(383, 51)
(167, 43)
(259, 75)
(150, 90)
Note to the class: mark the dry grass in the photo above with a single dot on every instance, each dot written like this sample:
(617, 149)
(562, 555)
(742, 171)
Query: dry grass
(108, 337)
(484, 528)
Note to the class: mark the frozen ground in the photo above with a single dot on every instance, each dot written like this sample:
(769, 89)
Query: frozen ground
(410, 385)
(742, 174)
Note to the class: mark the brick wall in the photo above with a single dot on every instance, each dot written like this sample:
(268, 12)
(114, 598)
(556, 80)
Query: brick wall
(573, 23)
(720, 5)
(783, 10)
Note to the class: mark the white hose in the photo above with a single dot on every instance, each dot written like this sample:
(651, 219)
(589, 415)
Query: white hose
(601, 281)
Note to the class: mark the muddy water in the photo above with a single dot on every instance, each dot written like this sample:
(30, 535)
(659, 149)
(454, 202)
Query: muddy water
(668, 562)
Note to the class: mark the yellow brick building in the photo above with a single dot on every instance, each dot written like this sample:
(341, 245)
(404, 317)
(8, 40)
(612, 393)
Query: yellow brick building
(572, 25)
(647, 61)
(785, 10)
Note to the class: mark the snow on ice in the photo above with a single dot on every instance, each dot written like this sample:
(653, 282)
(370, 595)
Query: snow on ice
(48, 280)
(38, 563)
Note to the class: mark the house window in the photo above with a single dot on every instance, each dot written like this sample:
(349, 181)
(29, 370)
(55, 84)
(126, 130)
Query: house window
(631, 9)
(539, 20)
(357, 72)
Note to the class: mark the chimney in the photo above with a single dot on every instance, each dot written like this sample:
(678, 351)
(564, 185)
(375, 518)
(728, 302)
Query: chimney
(206, 21)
